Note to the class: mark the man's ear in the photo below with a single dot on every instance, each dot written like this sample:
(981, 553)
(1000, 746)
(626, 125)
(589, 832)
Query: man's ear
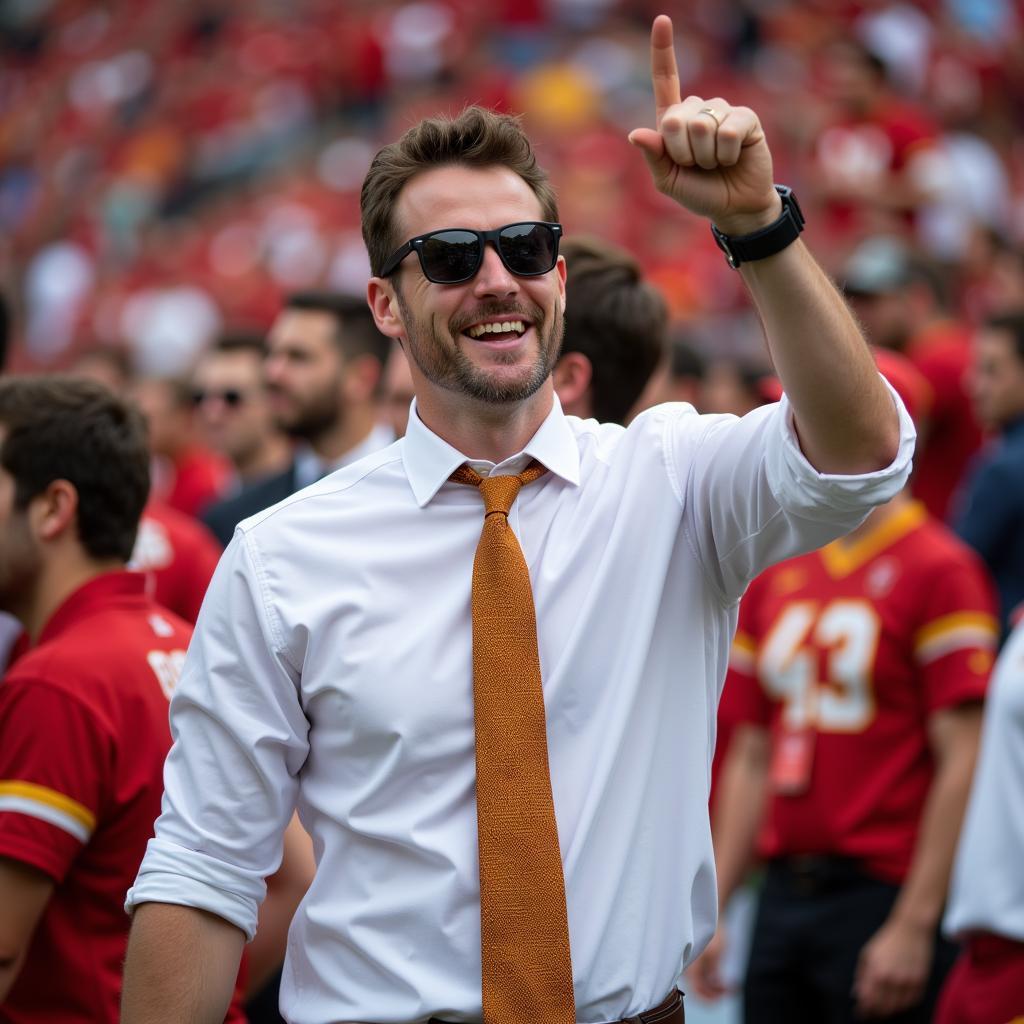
(380, 294)
(55, 511)
(571, 376)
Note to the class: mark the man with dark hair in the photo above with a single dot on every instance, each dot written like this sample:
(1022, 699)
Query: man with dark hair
(990, 511)
(83, 714)
(323, 372)
(615, 332)
(187, 475)
(502, 757)
(229, 391)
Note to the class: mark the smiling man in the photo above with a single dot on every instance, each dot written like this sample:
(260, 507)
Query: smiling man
(484, 663)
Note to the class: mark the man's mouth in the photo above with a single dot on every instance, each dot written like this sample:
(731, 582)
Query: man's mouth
(497, 330)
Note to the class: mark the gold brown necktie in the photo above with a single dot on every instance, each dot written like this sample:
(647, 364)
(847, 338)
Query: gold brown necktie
(524, 930)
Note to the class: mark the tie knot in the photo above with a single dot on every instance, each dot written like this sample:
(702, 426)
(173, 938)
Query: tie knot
(499, 492)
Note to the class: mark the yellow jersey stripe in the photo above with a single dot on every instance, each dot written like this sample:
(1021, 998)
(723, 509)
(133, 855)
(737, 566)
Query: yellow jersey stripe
(979, 621)
(34, 793)
(966, 638)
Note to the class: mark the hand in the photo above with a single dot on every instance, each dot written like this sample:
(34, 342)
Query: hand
(710, 157)
(893, 969)
(705, 973)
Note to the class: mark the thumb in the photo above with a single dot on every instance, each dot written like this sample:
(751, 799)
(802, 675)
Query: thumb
(652, 145)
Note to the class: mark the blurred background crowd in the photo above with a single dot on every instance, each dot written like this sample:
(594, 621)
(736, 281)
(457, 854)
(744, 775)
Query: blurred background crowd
(169, 170)
(179, 216)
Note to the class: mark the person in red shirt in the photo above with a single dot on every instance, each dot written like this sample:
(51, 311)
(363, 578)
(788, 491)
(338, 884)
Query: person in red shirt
(901, 302)
(178, 555)
(855, 683)
(868, 166)
(187, 475)
(83, 713)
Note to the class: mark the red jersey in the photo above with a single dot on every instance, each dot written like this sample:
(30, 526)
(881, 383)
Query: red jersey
(942, 355)
(178, 554)
(868, 151)
(83, 737)
(200, 477)
(843, 654)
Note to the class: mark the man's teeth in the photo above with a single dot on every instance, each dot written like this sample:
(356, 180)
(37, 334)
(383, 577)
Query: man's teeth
(478, 330)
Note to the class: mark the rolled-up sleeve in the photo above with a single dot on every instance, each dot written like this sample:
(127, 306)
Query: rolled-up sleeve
(240, 738)
(753, 499)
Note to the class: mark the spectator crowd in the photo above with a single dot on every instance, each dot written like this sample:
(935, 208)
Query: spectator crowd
(180, 225)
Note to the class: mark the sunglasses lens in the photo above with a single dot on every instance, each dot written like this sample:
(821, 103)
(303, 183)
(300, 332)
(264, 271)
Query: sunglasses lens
(450, 256)
(528, 249)
(230, 397)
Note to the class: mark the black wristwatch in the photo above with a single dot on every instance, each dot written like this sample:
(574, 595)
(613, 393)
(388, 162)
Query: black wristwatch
(768, 241)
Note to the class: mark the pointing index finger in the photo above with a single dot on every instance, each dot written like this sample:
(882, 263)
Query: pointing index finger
(664, 74)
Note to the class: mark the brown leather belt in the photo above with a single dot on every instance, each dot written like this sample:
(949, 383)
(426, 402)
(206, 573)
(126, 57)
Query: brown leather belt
(670, 1011)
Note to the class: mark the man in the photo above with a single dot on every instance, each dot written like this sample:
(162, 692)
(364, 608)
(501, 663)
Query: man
(509, 809)
(323, 372)
(187, 475)
(990, 510)
(854, 694)
(233, 410)
(397, 391)
(178, 556)
(902, 304)
(986, 903)
(176, 552)
(83, 714)
(615, 332)
(873, 155)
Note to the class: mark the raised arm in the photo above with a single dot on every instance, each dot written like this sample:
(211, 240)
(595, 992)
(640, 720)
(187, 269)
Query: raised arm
(712, 158)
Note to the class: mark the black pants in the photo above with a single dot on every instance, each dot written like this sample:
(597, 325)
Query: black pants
(814, 918)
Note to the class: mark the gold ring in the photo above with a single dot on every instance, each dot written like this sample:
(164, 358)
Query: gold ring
(713, 114)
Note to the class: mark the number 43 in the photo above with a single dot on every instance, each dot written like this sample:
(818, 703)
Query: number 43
(846, 632)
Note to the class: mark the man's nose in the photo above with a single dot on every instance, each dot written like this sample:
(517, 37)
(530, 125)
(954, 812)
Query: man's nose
(493, 277)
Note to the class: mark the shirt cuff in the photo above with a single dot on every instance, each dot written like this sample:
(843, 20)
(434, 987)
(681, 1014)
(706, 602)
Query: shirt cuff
(173, 874)
(803, 491)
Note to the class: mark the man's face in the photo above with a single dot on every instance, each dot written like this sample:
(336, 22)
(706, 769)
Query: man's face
(304, 372)
(231, 403)
(996, 378)
(438, 320)
(168, 423)
(885, 317)
(398, 392)
(20, 556)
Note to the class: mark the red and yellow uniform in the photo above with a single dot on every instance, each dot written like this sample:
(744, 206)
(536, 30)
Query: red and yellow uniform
(178, 554)
(843, 654)
(83, 737)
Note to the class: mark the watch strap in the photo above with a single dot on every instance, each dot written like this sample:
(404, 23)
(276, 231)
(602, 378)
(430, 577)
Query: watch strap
(758, 245)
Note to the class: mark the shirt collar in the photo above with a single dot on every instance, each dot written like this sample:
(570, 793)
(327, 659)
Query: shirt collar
(429, 460)
(95, 593)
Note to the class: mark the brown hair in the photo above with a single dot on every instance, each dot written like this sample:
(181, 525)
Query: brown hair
(616, 319)
(68, 428)
(475, 138)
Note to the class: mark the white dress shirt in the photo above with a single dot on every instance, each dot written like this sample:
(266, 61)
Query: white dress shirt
(331, 666)
(987, 892)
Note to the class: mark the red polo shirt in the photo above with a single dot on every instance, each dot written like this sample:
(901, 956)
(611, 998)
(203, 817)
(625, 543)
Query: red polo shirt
(83, 736)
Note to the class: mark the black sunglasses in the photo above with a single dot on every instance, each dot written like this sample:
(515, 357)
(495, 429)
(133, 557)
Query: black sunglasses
(454, 255)
(231, 397)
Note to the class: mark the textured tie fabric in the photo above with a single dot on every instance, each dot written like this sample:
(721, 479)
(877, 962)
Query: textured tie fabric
(524, 930)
